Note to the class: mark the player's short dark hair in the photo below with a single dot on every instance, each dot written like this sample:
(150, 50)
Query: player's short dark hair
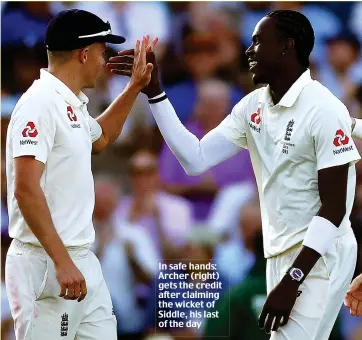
(296, 26)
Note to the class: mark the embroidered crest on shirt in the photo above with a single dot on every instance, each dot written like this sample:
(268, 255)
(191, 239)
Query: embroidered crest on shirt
(289, 130)
(64, 325)
(287, 137)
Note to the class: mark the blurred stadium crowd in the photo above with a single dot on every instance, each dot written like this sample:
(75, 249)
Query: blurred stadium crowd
(147, 209)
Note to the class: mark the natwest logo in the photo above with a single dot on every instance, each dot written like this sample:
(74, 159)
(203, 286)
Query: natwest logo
(255, 117)
(71, 114)
(30, 130)
(341, 138)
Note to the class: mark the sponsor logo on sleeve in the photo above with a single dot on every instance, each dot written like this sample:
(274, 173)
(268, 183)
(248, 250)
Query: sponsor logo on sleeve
(340, 141)
(30, 132)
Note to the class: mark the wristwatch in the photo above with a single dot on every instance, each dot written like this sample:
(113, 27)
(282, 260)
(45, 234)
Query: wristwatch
(296, 274)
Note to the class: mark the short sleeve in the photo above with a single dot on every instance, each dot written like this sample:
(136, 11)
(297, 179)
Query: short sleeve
(32, 131)
(95, 129)
(233, 127)
(331, 132)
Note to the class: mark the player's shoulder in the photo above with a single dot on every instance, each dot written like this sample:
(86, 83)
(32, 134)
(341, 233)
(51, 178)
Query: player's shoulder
(322, 100)
(250, 101)
(38, 99)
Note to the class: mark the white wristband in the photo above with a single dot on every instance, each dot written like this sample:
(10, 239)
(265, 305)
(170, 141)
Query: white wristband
(320, 235)
(158, 96)
(357, 131)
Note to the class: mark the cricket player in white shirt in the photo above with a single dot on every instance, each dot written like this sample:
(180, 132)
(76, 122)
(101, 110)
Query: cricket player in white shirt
(353, 298)
(54, 282)
(299, 138)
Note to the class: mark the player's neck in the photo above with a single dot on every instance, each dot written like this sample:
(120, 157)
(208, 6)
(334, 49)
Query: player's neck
(68, 77)
(281, 84)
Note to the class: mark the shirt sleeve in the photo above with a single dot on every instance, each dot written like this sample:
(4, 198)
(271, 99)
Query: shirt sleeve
(333, 143)
(233, 127)
(95, 129)
(32, 131)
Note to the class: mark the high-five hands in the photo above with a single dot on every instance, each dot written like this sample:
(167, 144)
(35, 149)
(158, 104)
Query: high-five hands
(140, 70)
(125, 64)
(353, 299)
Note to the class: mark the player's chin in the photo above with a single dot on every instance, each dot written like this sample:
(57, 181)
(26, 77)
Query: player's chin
(93, 83)
(257, 79)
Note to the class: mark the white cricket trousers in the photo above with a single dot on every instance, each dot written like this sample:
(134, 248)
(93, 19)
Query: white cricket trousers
(40, 314)
(322, 292)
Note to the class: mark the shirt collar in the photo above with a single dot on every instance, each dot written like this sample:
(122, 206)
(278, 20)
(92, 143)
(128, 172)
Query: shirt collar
(63, 90)
(292, 94)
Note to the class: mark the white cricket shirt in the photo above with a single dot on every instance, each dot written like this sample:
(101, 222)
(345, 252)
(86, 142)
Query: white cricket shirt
(308, 130)
(51, 123)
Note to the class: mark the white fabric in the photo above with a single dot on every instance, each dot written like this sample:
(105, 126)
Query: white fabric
(322, 292)
(6, 313)
(357, 131)
(51, 123)
(194, 155)
(317, 227)
(38, 310)
(119, 276)
(310, 129)
(158, 96)
(95, 129)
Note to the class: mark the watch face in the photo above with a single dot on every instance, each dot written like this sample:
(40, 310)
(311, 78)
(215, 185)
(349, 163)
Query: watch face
(296, 274)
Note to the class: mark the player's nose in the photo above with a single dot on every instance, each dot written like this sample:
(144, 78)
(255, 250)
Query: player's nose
(249, 51)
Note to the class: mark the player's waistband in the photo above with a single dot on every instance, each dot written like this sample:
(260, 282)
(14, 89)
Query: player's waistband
(31, 248)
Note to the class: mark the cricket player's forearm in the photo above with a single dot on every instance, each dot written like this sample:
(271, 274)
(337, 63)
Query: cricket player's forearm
(332, 212)
(306, 260)
(35, 210)
(114, 117)
(196, 156)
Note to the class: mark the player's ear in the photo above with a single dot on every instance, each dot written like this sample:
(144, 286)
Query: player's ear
(288, 46)
(83, 55)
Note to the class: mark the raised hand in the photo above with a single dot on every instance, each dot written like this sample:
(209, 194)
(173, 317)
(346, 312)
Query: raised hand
(141, 70)
(123, 65)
